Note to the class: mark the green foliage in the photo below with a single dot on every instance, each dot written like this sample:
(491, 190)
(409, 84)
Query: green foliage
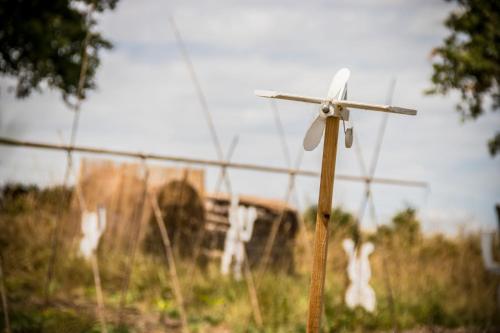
(56, 320)
(494, 144)
(341, 220)
(41, 41)
(469, 60)
(403, 228)
(407, 226)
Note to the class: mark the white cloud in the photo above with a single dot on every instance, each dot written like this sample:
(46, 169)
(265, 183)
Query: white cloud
(146, 101)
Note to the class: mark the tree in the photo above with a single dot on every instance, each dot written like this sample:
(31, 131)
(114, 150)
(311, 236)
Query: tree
(42, 41)
(469, 60)
(406, 224)
(339, 218)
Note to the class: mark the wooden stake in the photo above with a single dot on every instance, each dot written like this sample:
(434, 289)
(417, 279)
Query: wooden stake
(170, 261)
(200, 235)
(99, 294)
(252, 290)
(135, 236)
(3, 294)
(322, 219)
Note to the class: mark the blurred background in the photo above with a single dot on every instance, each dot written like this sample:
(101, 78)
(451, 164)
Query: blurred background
(177, 79)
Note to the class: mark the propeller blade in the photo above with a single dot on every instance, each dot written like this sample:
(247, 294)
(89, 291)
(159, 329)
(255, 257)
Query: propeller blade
(314, 133)
(338, 84)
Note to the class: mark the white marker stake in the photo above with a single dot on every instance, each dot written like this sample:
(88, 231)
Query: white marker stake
(93, 226)
(359, 292)
(241, 220)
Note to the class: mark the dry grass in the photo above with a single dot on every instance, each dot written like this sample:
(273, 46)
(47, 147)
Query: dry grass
(438, 283)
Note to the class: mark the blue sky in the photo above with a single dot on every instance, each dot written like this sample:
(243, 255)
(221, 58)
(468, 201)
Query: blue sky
(145, 100)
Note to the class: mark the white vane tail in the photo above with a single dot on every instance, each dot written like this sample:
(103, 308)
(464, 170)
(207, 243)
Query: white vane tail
(359, 292)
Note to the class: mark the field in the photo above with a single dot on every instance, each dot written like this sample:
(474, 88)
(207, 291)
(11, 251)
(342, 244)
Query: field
(438, 284)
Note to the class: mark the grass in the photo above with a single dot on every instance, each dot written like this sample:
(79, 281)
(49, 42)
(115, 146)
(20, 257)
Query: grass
(436, 281)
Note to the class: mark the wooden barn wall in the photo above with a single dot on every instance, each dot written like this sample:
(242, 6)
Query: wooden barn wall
(120, 187)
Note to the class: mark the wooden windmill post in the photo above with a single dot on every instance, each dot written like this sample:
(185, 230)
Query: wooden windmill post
(322, 218)
(333, 109)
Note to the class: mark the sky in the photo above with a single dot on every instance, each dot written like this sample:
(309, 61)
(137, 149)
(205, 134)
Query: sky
(145, 101)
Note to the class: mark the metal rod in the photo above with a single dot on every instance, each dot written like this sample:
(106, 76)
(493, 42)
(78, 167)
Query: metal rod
(197, 85)
(368, 200)
(281, 132)
(290, 191)
(214, 163)
(222, 175)
(381, 132)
